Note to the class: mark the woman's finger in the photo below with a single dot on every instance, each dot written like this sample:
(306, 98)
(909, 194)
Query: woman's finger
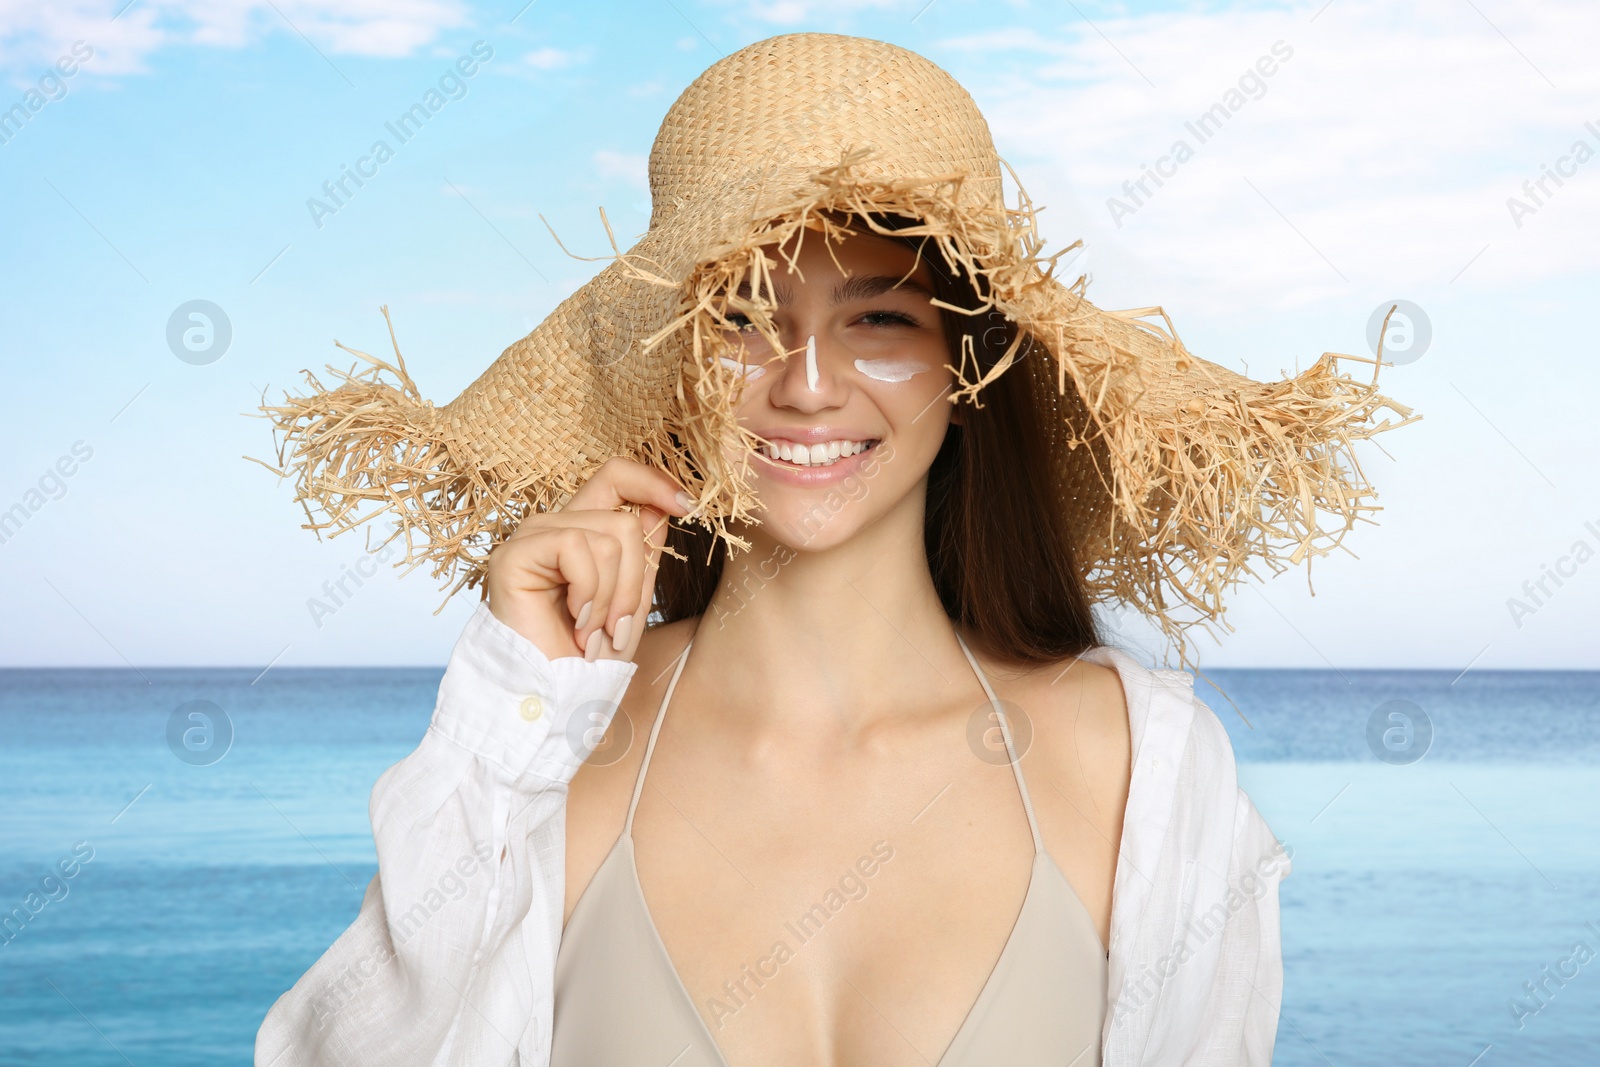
(621, 481)
(606, 549)
(653, 531)
(624, 611)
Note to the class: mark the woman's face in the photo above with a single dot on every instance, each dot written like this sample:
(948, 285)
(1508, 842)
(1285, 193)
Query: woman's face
(856, 412)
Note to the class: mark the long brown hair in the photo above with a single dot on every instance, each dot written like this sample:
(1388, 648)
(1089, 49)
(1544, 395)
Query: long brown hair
(1001, 557)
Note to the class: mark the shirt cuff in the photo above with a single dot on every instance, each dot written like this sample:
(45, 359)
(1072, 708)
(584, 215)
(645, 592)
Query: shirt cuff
(502, 699)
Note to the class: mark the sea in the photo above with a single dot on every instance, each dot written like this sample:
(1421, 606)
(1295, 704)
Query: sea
(1443, 908)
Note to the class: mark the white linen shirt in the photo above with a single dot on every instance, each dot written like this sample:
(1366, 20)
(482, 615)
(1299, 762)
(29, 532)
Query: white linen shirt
(451, 961)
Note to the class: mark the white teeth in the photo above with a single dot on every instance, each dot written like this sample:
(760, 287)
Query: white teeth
(819, 455)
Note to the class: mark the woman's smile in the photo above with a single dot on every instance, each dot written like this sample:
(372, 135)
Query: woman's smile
(819, 464)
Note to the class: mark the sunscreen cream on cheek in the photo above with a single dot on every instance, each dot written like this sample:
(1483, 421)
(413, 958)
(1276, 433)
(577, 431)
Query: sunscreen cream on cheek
(750, 373)
(890, 370)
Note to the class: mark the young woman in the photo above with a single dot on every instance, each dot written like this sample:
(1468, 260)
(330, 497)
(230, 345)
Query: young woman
(872, 789)
(831, 856)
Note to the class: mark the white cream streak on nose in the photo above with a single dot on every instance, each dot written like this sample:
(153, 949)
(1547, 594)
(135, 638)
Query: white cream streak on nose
(890, 370)
(811, 363)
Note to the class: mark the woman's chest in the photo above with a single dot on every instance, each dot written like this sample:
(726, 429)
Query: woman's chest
(822, 917)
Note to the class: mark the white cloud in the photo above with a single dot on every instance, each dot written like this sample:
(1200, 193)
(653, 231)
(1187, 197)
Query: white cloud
(33, 34)
(783, 12)
(1390, 140)
(631, 168)
(814, 14)
(550, 59)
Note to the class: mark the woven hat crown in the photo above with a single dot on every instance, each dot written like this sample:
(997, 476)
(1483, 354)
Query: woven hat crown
(793, 102)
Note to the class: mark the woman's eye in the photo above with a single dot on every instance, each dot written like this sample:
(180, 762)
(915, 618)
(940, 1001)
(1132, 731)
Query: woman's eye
(888, 318)
(742, 323)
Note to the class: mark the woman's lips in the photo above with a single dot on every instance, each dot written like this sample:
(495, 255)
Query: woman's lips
(784, 472)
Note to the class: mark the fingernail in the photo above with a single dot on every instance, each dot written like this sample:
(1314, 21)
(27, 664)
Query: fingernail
(619, 632)
(685, 501)
(583, 614)
(592, 649)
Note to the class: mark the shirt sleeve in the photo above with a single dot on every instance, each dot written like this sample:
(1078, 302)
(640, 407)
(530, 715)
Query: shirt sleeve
(1247, 990)
(1196, 970)
(451, 959)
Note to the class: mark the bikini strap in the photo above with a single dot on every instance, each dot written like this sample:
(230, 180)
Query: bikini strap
(655, 728)
(1011, 751)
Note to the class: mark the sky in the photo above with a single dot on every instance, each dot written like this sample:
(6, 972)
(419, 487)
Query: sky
(1444, 152)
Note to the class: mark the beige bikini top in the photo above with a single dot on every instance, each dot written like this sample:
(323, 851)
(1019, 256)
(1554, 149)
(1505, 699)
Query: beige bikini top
(619, 1000)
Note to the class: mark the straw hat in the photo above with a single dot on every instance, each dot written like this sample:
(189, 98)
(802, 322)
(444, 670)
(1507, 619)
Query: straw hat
(1174, 472)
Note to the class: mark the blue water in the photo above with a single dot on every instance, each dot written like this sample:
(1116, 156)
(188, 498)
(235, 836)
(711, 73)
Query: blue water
(1423, 896)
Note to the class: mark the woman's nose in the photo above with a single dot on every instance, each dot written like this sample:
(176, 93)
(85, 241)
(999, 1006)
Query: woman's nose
(808, 380)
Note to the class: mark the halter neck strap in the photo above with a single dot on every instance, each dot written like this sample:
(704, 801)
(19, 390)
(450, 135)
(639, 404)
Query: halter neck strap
(655, 729)
(1011, 749)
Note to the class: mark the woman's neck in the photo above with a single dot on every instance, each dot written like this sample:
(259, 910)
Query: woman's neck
(833, 639)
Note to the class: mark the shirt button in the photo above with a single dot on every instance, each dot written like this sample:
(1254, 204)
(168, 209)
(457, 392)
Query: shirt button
(532, 708)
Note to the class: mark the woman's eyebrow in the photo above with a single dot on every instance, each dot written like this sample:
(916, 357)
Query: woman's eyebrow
(860, 287)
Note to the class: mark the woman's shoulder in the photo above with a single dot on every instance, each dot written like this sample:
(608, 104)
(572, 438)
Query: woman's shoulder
(1173, 732)
(1077, 714)
(1102, 698)
(1092, 703)
(1085, 689)
(1158, 700)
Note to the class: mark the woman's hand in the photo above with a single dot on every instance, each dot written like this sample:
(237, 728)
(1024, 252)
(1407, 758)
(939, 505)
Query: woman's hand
(579, 581)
